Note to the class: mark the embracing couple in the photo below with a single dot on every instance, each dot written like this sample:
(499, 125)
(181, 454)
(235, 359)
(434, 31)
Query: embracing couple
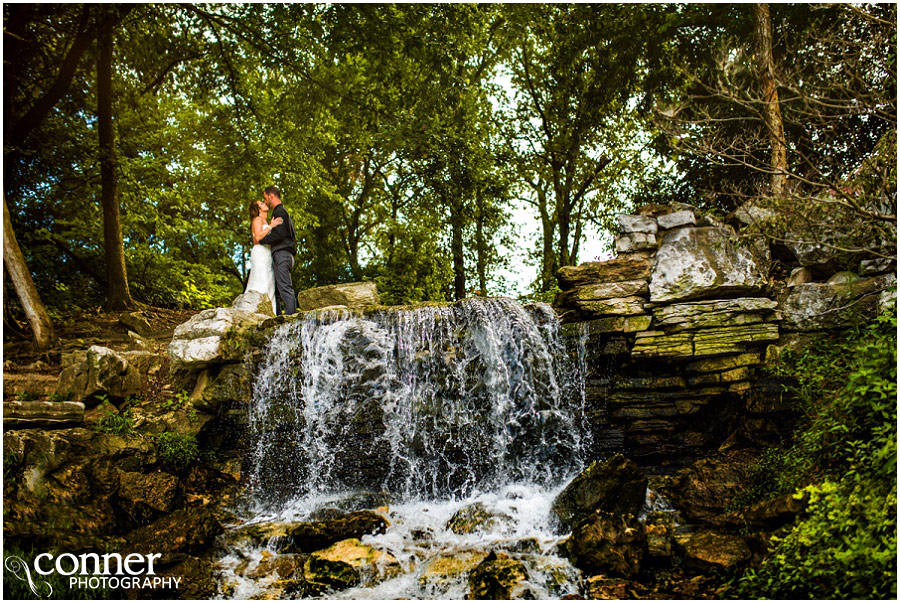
(272, 256)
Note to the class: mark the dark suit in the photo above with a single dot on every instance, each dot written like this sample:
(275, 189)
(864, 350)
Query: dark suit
(281, 239)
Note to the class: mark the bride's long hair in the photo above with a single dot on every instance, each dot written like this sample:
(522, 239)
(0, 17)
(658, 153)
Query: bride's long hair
(254, 210)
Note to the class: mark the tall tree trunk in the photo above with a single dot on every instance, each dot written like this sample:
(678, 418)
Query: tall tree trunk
(24, 286)
(549, 263)
(480, 245)
(456, 249)
(118, 295)
(765, 66)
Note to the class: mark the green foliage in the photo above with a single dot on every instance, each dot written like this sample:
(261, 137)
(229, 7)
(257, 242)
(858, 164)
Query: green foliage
(121, 424)
(27, 396)
(57, 397)
(845, 457)
(177, 450)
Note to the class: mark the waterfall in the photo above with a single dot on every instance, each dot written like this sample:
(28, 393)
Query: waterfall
(436, 402)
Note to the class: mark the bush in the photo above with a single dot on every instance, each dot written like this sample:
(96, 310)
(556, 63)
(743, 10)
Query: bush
(177, 450)
(845, 457)
(121, 424)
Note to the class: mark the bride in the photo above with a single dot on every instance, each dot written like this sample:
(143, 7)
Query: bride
(262, 273)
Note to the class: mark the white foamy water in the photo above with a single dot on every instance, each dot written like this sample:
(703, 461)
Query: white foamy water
(438, 408)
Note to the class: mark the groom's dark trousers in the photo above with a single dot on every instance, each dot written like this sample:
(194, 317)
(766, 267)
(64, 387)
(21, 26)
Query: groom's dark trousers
(282, 242)
(284, 291)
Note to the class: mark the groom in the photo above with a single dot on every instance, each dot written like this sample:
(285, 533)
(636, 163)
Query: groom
(281, 241)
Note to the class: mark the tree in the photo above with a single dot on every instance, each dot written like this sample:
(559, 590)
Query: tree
(575, 70)
(118, 295)
(25, 289)
(834, 72)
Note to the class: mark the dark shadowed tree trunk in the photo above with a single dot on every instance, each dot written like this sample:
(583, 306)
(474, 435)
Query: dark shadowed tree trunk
(24, 286)
(765, 67)
(118, 295)
(456, 248)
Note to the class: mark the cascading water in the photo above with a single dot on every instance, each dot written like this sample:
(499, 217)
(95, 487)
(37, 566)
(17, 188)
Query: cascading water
(431, 408)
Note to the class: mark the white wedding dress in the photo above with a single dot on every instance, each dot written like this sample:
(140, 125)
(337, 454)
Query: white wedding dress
(262, 272)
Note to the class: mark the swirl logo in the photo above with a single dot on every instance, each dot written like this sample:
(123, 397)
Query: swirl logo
(18, 568)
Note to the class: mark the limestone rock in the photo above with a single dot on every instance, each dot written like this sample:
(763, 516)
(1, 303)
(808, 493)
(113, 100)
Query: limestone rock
(750, 213)
(821, 306)
(732, 340)
(677, 219)
(641, 224)
(610, 544)
(616, 306)
(695, 263)
(310, 536)
(253, 302)
(610, 324)
(615, 485)
(635, 241)
(231, 384)
(351, 295)
(182, 531)
(799, 276)
(604, 291)
(143, 496)
(41, 413)
(446, 568)
(725, 363)
(97, 371)
(146, 363)
(315, 535)
(722, 313)
(208, 337)
(476, 518)
(348, 563)
(876, 266)
(499, 577)
(776, 512)
(705, 550)
(626, 268)
(35, 384)
(843, 278)
(660, 344)
(137, 322)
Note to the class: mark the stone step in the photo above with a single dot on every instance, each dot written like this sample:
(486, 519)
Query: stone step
(43, 413)
(36, 384)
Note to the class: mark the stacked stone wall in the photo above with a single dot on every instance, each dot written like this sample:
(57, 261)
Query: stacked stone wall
(676, 328)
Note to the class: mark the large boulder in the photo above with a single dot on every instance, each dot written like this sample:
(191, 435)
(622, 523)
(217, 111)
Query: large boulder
(710, 550)
(183, 531)
(820, 306)
(609, 544)
(97, 371)
(348, 563)
(634, 266)
(708, 262)
(254, 302)
(351, 295)
(446, 568)
(499, 577)
(210, 337)
(615, 485)
(476, 518)
(144, 496)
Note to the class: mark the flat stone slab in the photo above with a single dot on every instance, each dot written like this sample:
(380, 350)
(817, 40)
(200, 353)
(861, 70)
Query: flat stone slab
(41, 413)
(628, 268)
(706, 342)
(604, 291)
(708, 262)
(720, 313)
(611, 324)
(629, 224)
(351, 295)
(617, 306)
(676, 219)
